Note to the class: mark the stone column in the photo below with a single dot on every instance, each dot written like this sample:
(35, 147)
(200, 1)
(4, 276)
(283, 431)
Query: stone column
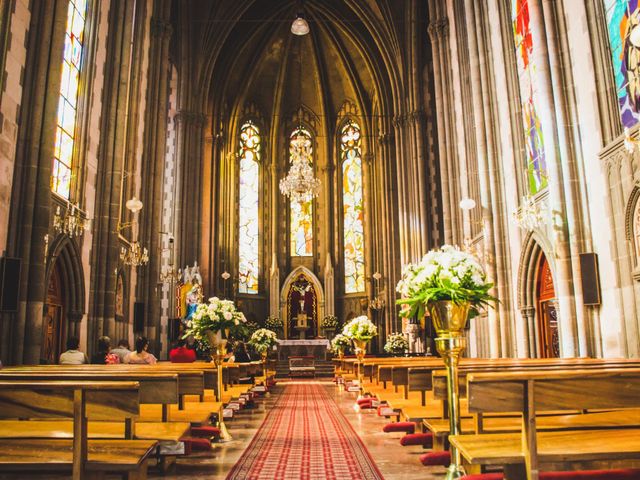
(559, 230)
(31, 196)
(152, 174)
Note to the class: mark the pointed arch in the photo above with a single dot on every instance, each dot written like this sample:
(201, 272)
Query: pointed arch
(286, 286)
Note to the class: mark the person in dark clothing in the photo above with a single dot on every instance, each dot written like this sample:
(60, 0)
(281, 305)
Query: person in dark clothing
(104, 356)
(241, 355)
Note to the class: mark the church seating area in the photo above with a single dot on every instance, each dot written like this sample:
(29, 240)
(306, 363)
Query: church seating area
(518, 415)
(92, 420)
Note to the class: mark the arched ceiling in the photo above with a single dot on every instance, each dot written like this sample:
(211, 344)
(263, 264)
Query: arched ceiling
(249, 55)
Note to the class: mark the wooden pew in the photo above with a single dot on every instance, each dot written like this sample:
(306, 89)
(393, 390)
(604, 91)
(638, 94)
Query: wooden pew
(527, 392)
(79, 401)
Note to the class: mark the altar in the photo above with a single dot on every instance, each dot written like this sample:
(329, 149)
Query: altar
(301, 348)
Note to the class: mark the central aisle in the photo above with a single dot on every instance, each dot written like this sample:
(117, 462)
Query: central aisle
(306, 437)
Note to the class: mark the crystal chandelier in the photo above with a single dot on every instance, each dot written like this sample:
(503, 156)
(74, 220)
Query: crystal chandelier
(134, 255)
(71, 223)
(300, 185)
(530, 214)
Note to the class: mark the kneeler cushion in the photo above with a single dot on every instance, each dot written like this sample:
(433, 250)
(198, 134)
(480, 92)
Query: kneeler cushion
(368, 400)
(205, 432)
(407, 427)
(422, 439)
(442, 458)
(192, 444)
(617, 474)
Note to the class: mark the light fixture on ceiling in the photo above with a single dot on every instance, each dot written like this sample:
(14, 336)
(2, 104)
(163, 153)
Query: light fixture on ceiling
(300, 25)
(634, 36)
(300, 184)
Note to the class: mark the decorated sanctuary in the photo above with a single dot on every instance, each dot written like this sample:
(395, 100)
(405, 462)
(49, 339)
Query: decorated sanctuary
(320, 239)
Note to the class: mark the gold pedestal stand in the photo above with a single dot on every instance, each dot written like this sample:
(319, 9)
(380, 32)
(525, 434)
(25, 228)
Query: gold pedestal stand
(449, 320)
(361, 350)
(218, 352)
(264, 356)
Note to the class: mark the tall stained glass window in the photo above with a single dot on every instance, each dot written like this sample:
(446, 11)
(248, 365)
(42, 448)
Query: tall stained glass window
(353, 207)
(536, 167)
(301, 227)
(248, 237)
(66, 128)
(622, 17)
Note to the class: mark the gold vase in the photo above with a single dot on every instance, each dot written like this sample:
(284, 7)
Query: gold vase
(264, 355)
(361, 350)
(449, 319)
(218, 343)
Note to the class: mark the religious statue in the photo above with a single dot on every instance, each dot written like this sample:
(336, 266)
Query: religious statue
(191, 289)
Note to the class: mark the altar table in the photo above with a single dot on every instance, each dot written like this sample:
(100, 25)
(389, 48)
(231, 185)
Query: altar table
(300, 348)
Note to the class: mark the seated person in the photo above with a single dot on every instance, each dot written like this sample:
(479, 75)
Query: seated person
(104, 356)
(181, 353)
(141, 355)
(73, 356)
(240, 354)
(122, 350)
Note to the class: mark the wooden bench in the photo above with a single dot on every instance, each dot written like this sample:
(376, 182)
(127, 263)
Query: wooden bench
(80, 401)
(521, 454)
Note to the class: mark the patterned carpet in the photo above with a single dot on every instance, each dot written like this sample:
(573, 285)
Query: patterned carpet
(305, 437)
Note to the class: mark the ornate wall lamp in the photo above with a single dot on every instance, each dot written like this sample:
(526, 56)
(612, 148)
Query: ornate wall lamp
(72, 223)
(377, 303)
(133, 254)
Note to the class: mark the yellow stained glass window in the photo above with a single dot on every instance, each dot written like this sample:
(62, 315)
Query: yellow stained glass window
(352, 207)
(68, 101)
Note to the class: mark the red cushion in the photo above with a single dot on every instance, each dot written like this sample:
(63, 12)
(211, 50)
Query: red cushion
(205, 432)
(407, 427)
(618, 474)
(442, 458)
(192, 444)
(365, 400)
(422, 439)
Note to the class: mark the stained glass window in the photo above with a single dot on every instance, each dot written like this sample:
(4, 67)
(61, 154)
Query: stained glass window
(248, 237)
(353, 207)
(68, 100)
(622, 16)
(301, 227)
(536, 166)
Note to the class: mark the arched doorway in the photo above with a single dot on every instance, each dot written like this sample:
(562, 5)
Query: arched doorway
(547, 312)
(301, 284)
(54, 325)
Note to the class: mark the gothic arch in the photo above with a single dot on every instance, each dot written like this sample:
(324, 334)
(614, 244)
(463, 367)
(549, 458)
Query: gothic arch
(286, 286)
(64, 254)
(533, 249)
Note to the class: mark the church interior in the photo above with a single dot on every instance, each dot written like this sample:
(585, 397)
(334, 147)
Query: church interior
(320, 239)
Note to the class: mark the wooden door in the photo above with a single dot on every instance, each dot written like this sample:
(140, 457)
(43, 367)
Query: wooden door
(547, 312)
(53, 321)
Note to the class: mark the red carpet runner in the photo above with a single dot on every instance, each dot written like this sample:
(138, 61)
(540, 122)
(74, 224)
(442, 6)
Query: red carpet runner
(305, 437)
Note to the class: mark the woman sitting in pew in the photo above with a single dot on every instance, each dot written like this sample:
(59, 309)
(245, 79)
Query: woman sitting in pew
(73, 356)
(141, 355)
(104, 356)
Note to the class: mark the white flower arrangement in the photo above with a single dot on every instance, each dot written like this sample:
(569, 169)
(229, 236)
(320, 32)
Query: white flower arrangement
(273, 323)
(340, 343)
(396, 343)
(445, 274)
(329, 322)
(263, 339)
(217, 315)
(360, 328)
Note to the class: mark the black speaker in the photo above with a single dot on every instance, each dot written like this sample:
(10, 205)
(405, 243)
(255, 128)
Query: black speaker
(9, 283)
(590, 278)
(138, 317)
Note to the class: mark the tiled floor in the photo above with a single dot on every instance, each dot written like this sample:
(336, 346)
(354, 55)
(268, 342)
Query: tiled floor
(395, 462)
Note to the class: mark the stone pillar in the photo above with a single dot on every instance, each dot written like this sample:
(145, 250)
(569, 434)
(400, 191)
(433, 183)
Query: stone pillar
(559, 230)
(329, 288)
(274, 287)
(152, 174)
(31, 195)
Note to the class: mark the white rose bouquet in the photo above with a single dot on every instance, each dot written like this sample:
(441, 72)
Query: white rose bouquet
(340, 343)
(217, 315)
(262, 340)
(396, 344)
(360, 328)
(444, 274)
